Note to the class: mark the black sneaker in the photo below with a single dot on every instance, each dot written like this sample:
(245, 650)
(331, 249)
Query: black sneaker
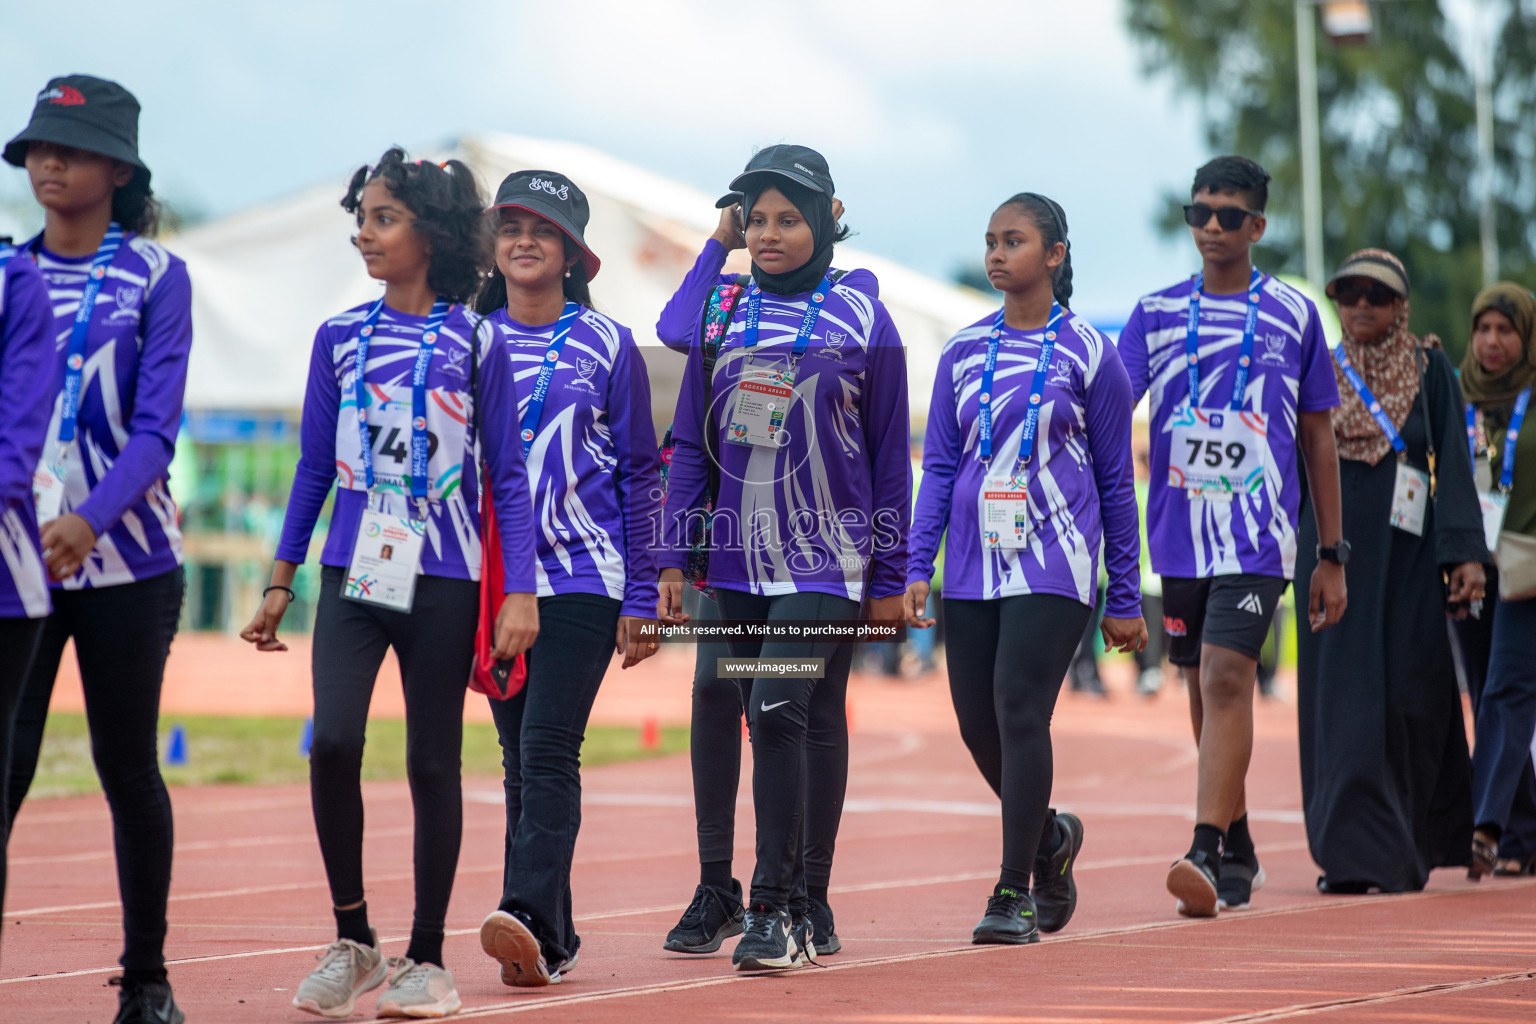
(712, 917)
(1241, 877)
(803, 932)
(767, 941)
(827, 941)
(1193, 881)
(147, 1003)
(1053, 890)
(1009, 920)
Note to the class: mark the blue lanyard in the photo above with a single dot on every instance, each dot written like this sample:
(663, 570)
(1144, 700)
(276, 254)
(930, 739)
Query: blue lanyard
(1244, 355)
(1372, 406)
(419, 443)
(1036, 387)
(1472, 431)
(1516, 418)
(807, 324)
(535, 410)
(74, 361)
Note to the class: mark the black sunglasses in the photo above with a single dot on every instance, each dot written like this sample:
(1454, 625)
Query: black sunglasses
(1348, 292)
(1230, 218)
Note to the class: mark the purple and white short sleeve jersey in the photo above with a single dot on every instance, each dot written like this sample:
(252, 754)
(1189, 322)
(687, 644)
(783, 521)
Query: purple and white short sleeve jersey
(829, 510)
(27, 388)
(330, 449)
(1080, 480)
(1291, 373)
(135, 376)
(594, 471)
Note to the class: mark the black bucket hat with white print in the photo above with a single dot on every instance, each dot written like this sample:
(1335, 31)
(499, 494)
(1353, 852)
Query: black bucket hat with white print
(556, 198)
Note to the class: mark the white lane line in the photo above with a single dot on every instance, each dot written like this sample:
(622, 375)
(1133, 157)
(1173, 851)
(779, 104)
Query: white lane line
(1416, 992)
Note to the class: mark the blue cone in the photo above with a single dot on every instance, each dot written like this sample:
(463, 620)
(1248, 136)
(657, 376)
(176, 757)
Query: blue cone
(307, 737)
(176, 754)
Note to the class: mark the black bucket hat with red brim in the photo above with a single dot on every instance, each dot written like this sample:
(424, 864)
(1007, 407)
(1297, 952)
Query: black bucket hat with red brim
(556, 198)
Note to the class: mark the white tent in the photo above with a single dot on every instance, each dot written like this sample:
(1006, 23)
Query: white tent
(265, 278)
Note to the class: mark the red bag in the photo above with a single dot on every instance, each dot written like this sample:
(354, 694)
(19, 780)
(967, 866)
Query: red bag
(498, 680)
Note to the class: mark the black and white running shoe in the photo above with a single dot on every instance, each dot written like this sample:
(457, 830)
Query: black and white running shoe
(1192, 880)
(713, 916)
(767, 941)
(1241, 877)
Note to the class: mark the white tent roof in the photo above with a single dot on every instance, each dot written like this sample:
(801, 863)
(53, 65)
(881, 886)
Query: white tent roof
(264, 279)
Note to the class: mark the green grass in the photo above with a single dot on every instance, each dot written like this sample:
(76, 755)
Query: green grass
(264, 751)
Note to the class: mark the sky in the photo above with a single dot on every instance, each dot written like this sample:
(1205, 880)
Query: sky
(929, 114)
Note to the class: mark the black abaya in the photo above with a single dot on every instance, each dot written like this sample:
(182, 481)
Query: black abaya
(1385, 774)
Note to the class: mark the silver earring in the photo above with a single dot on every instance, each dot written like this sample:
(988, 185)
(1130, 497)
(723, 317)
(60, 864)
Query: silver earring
(567, 272)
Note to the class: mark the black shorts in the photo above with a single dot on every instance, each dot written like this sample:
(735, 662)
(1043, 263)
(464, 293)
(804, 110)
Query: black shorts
(1234, 612)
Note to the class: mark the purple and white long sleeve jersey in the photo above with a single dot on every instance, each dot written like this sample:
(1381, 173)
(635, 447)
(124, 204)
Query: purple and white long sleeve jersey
(330, 447)
(1291, 372)
(830, 508)
(117, 473)
(27, 388)
(594, 471)
(1080, 480)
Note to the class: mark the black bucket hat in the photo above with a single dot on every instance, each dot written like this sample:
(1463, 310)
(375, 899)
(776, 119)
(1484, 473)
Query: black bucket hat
(87, 113)
(800, 164)
(556, 198)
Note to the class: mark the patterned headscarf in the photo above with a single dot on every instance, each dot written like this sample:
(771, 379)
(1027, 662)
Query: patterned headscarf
(1391, 370)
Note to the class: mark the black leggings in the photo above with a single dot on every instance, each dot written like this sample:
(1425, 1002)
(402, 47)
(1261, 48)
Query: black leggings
(780, 711)
(1007, 658)
(541, 731)
(122, 637)
(715, 751)
(18, 643)
(434, 644)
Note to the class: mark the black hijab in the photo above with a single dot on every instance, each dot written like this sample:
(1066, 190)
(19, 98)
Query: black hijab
(816, 208)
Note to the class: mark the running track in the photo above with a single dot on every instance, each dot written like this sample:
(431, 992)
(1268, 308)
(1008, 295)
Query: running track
(916, 861)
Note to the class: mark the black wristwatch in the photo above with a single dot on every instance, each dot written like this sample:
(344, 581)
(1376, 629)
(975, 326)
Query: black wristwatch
(1336, 553)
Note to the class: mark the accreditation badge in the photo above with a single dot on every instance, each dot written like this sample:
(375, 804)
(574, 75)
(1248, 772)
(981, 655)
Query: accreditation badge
(1493, 504)
(1004, 513)
(48, 490)
(763, 397)
(386, 559)
(1410, 498)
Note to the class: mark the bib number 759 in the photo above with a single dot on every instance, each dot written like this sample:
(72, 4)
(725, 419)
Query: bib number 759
(1213, 453)
(1217, 450)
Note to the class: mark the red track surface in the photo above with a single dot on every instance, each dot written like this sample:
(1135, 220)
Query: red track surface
(916, 860)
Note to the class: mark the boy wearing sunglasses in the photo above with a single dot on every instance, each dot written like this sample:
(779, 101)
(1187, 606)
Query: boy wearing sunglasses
(1240, 383)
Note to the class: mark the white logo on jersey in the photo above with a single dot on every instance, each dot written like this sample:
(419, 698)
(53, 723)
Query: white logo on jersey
(835, 339)
(585, 368)
(1274, 349)
(1062, 372)
(127, 303)
(1251, 604)
(455, 363)
(559, 192)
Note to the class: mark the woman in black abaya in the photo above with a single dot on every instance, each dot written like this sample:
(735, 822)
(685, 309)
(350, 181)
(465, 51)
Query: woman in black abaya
(1385, 774)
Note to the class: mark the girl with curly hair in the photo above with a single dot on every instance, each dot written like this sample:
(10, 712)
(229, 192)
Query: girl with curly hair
(403, 394)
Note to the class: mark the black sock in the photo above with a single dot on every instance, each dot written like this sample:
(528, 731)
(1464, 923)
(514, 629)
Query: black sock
(1012, 879)
(1208, 841)
(818, 893)
(716, 873)
(426, 946)
(1239, 842)
(353, 924)
(1050, 836)
(136, 978)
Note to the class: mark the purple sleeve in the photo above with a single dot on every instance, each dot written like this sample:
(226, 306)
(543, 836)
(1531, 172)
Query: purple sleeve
(638, 477)
(28, 377)
(1132, 348)
(1319, 388)
(1108, 408)
(316, 470)
(166, 342)
(683, 314)
(507, 473)
(888, 440)
(941, 462)
(688, 473)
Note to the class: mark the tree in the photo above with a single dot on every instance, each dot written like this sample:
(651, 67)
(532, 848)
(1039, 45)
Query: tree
(1399, 147)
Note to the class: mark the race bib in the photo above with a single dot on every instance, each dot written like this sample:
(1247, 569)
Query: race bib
(762, 400)
(1217, 452)
(48, 490)
(1410, 497)
(1494, 505)
(1004, 514)
(389, 428)
(385, 561)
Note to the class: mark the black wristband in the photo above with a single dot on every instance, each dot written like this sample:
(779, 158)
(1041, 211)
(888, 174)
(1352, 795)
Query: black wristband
(292, 597)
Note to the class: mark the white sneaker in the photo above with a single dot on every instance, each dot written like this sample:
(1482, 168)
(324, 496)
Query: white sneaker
(347, 970)
(418, 990)
(505, 938)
